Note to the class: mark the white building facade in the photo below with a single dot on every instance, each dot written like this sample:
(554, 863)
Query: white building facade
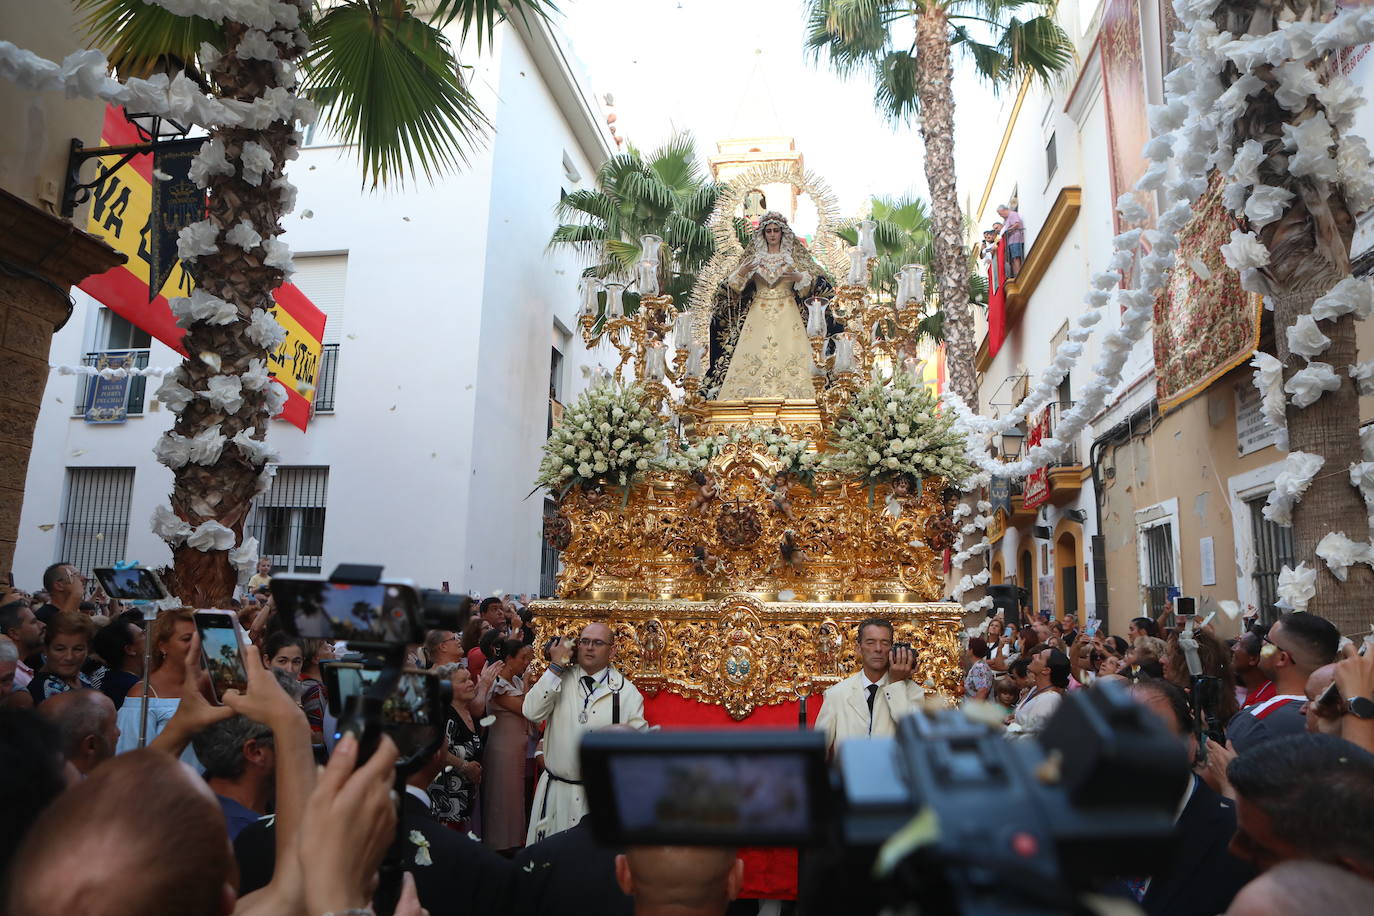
(450, 328)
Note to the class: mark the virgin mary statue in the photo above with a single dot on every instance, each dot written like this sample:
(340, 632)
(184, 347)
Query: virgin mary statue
(759, 347)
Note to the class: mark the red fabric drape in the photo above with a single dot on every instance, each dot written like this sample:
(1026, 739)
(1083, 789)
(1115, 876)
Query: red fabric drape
(769, 874)
(997, 298)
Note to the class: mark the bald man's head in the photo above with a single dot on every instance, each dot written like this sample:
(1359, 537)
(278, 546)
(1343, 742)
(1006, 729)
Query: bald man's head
(1322, 717)
(87, 720)
(1301, 887)
(143, 836)
(683, 880)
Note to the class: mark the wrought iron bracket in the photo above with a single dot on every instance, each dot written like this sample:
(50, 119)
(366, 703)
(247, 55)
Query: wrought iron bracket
(74, 191)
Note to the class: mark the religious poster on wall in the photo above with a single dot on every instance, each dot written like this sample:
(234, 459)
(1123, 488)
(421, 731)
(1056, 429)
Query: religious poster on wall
(121, 214)
(1205, 324)
(1123, 85)
(1038, 481)
(108, 401)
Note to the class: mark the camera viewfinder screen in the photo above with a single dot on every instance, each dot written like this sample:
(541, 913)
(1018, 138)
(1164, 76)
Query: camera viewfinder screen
(328, 610)
(725, 795)
(134, 584)
(407, 712)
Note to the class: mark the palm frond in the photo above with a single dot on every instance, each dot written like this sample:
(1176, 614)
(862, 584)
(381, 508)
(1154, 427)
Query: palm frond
(392, 90)
(895, 89)
(1037, 47)
(584, 203)
(139, 38)
(478, 18)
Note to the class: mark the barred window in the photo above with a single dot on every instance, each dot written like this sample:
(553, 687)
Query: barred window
(288, 520)
(1159, 559)
(95, 520)
(1273, 551)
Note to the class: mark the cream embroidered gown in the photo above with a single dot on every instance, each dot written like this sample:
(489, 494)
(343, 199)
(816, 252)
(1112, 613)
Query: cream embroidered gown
(772, 357)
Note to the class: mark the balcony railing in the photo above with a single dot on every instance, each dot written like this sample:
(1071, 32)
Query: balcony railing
(1070, 457)
(138, 384)
(328, 379)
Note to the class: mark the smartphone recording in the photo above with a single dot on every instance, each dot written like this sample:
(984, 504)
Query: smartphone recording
(222, 648)
(134, 584)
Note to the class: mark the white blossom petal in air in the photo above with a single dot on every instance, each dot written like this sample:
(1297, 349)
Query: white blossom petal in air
(265, 331)
(1292, 481)
(244, 235)
(199, 238)
(1340, 553)
(225, 392)
(169, 526)
(1244, 251)
(1309, 384)
(1311, 140)
(1352, 294)
(1266, 204)
(209, 162)
(205, 446)
(173, 450)
(1296, 587)
(1306, 339)
(210, 536)
(245, 556)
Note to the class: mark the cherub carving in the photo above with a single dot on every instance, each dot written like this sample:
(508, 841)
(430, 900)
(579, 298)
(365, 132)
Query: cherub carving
(789, 553)
(706, 491)
(782, 505)
(706, 563)
(902, 491)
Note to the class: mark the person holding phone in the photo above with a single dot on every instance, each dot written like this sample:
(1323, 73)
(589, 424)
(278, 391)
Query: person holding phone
(173, 632)
(870, 701)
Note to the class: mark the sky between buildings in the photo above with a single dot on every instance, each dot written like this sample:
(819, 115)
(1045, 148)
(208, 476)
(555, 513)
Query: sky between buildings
(738, 68)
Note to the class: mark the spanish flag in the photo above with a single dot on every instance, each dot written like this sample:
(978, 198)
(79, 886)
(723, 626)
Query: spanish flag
(120, 213)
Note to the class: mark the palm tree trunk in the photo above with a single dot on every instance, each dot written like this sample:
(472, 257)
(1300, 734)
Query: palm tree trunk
(935, 90)
(224, 490)
(1309, 249)
(1329, 428)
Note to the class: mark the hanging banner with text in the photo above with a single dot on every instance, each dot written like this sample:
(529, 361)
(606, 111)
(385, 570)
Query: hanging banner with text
(1037, 491)
(122, 214)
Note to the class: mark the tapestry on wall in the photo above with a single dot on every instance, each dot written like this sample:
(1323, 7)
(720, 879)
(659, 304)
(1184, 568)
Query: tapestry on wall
(1123, 84)
(1205, 324)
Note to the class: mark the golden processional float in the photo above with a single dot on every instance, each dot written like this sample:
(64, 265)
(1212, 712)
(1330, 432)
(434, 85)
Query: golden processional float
(733, 545)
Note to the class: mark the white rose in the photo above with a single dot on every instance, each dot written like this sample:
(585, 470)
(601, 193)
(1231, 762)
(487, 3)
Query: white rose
(600, 467)
(584, 470)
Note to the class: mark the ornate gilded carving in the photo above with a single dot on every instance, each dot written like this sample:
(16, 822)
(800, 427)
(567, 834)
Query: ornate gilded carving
(742, 653)
(665, 542)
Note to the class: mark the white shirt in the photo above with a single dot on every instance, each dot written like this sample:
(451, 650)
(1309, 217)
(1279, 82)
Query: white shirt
(421, 794)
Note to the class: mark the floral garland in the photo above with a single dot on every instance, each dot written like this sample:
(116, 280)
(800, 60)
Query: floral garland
(896, 429)
(607, 437)
(794, 454)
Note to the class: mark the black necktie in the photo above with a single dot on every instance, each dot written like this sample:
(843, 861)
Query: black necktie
(590, 683)
(872, 693)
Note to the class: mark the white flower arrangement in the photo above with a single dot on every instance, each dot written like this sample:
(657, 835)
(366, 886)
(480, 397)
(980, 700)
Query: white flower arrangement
(896, 429)
(794, 454)
(607, 437)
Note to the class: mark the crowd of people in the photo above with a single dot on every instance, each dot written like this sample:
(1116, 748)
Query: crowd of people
(1274, 817)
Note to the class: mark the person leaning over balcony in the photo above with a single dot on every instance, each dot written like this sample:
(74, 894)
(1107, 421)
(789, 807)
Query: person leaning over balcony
(1014, 230)
(871, 701)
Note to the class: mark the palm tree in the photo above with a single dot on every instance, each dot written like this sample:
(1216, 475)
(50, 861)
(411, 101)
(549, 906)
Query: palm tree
(856, 35)
(1309, 247)
(387, 79)
(664, 193)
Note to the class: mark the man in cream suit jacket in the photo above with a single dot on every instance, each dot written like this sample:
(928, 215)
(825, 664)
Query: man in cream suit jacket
(869, 703)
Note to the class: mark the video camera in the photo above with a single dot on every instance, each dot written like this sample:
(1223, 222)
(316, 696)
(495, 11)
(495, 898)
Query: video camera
(958, 818)
(378, 619)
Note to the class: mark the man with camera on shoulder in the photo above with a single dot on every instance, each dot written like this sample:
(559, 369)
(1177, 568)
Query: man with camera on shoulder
(581, 691)
(871, 701)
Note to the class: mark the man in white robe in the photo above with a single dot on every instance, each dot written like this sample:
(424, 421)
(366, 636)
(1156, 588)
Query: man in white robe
(574, 699)
(871, 701)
